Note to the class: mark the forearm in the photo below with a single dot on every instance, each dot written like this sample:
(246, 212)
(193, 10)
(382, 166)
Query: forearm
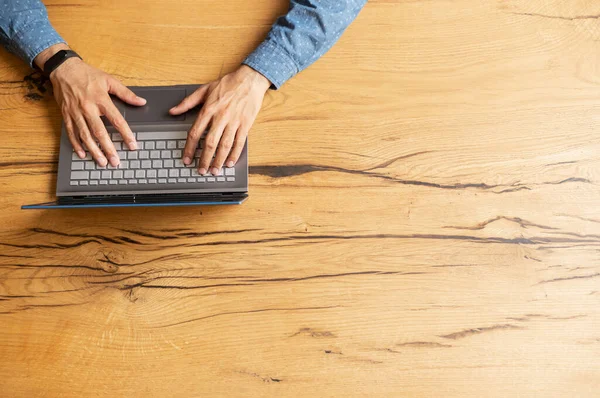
(25, 29)
(302, 36)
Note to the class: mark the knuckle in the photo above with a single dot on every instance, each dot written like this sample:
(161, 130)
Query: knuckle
(210, 143)
(227, 142)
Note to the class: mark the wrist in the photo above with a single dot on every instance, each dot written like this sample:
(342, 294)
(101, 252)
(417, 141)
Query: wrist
(41, 58)
(256, 78)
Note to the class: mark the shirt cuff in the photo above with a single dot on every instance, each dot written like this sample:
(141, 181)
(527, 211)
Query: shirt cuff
(273, 62)
(35, 39)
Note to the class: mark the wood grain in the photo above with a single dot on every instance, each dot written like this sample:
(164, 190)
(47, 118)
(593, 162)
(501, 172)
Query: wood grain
(423, 216)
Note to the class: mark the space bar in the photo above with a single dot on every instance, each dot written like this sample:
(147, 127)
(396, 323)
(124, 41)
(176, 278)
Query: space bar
(161, 135)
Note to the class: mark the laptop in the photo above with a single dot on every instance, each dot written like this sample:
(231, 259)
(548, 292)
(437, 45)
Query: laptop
(152, 175)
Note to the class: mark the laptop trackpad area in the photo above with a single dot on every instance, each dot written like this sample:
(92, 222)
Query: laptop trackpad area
(157, 106)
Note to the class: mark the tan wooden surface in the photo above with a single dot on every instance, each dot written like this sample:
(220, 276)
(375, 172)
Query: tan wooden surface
(423, 216)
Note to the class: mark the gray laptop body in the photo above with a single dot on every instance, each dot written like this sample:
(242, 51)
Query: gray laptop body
(153, 122)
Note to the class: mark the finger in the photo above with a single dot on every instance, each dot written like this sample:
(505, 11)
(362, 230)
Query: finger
(197, 97)
(210, 145)
(224, 148)
(194, 136)
(70, 128)
(87, 139)
(116, 119)
(117, 88)
(238, 146)
(98, 131)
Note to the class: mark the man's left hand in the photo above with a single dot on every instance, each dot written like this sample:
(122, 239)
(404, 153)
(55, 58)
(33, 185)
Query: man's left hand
(231, 105)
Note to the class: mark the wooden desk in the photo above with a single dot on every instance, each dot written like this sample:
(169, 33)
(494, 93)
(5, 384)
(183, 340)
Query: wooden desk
(423, 217)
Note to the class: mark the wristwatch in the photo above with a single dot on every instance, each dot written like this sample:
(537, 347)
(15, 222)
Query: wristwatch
(56, 60)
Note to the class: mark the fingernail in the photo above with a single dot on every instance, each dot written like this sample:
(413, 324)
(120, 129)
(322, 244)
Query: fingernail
(202, 171)
(142, 99)
(230, 163)
(214, 171)
(186, 160)
(114, 161)
(81, 154)
(102, 162)
(133, 145)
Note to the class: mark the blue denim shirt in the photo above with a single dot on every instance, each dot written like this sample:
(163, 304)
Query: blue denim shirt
(295, 41)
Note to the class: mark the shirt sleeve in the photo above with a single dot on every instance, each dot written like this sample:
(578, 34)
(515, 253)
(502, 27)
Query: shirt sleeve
(25, 29)
(302, 36)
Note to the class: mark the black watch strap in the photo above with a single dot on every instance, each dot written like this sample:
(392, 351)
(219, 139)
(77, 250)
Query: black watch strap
(57, 59)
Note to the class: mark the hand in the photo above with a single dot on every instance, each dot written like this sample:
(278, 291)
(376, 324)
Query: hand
(82, 92)
(230, 108)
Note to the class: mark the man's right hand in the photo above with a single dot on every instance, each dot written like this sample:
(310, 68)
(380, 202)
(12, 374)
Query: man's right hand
(82, 93)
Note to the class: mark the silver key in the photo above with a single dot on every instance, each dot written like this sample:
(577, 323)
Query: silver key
(113, 182)
(116, 174)
(143, 181)
(74, 182)
(90, 165)
(152, 181)
(184, 173)
(162, 180)
(178, 163)
(151, 173)
(85, 182)
(134, 164)
(172, 145)
(94, 182)
(116, 137)
(181, 144)
(160, 145)
(220, 179)
(88, 156)
(77, 166)
(95, 175)
(163, 173)
(122, 154)
(176, 154)
(74, 156)
(191, 180)
(210, 179)
(174, 173)
(195, 172)
(103, 182)
(132, 155)
(80, 175)
(140, 173)
(157, 164)
(118, 146)
(168, 164)
(230, 179)
(146, 164)
(124, 164)
(181, 180)
(229, 171)
(155, 155)
(201, 179)
(149, 145)
(144, 154)
(128, 173)
(132, 181)
(165, 154)
(161, 135)
(172, 180)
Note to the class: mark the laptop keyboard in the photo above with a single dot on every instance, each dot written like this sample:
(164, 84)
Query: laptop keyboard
(156, 161)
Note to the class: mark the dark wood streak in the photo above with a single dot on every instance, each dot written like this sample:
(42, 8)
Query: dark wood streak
(575, 18)
(37, 306)
(335, 276)
(394, 160)
(471, 332)
(99, 237)
(188, 234)
(144, 285)
(55, 246)
(283, 171)
(249, 312)
(423, 344)
(108, 271)
(517, 220)
(568, 278)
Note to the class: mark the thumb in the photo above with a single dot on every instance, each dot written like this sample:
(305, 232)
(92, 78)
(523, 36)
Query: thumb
(117, 88)
(190, 101)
